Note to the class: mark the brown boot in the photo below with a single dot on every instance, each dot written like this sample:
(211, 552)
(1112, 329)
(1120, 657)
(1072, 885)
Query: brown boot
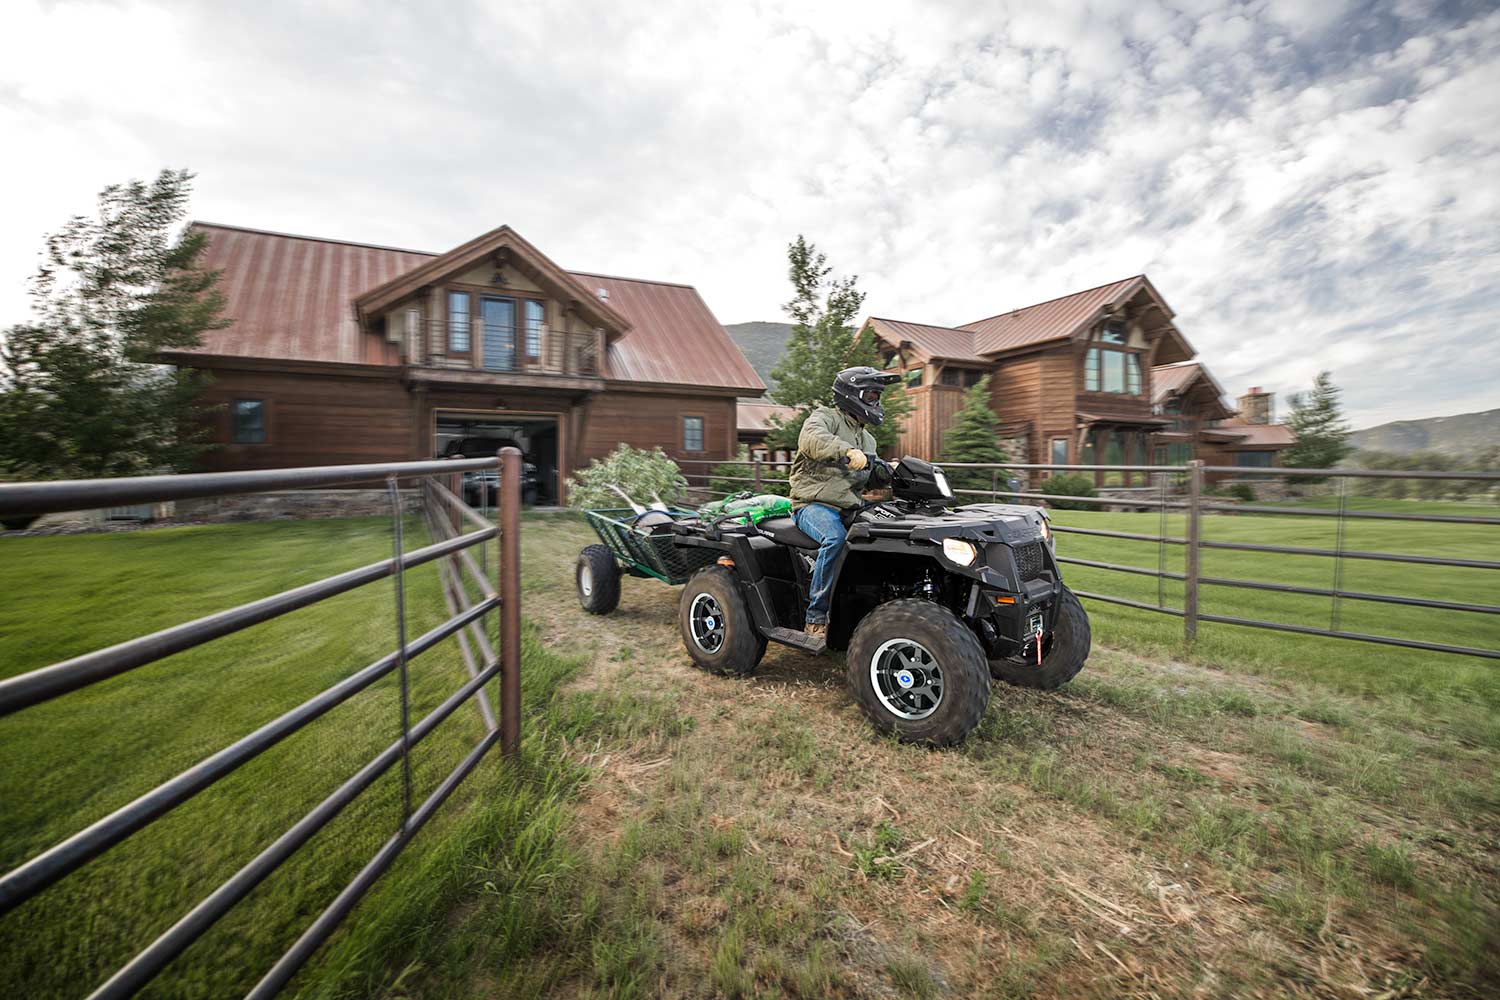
(816, 628)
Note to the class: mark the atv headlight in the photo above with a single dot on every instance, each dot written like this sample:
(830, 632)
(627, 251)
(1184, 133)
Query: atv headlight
(1046, 531)
(959, 551)
(942, 485)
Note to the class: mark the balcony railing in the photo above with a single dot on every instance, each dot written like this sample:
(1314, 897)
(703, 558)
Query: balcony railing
(478, 346)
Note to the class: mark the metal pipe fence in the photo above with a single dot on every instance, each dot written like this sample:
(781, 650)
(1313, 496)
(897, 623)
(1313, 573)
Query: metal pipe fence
(1182, 490)
(443, 511)
(1194, 503)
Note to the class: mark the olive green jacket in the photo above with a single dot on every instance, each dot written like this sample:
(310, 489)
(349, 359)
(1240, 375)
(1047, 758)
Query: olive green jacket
(817, 477)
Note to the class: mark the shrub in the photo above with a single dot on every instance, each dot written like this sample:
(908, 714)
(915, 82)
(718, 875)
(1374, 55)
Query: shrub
(1241, 491)
(639, 473)
(1072, 484)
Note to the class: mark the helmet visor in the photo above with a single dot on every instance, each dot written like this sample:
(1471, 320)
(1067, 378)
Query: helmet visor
(870, 395)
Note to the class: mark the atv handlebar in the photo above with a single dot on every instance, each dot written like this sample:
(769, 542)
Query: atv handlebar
(870, 459)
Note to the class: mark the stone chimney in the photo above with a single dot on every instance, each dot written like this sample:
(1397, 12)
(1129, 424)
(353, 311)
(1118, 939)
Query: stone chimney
(1258, 407)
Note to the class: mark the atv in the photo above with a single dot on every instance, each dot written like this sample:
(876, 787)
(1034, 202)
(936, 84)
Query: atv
(930, 601)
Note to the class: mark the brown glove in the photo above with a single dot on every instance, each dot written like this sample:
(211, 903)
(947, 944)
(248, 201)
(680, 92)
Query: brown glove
(857, 459)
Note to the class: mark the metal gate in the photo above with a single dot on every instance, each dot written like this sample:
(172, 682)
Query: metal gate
(445, 513)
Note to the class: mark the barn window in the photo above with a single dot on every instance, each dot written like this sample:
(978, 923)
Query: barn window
(692, 433)
(247, 418)
(1253, 459)
(458, 322)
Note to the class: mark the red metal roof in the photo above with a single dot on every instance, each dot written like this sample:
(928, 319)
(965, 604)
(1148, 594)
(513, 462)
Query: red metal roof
(1258, 435)
(1050, 320)
(754, 415)
(940, 342)
(673, 336)
(292, 298)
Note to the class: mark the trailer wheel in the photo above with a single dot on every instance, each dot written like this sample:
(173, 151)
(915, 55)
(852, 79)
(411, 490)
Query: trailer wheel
(717, 630)
(598, 578)
(918, 672)
(1063, 652)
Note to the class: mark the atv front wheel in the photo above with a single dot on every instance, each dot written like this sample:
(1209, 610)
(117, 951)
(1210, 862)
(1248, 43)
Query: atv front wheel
(717, 630)
(918, 672)
(1063, 652)
(598, 578)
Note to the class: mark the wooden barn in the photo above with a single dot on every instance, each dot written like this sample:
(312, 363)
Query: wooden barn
(345, 352)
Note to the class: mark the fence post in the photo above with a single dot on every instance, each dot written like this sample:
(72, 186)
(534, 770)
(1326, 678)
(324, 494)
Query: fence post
(755, 472)
(510, 601)
(1190, 571)
(995, 486)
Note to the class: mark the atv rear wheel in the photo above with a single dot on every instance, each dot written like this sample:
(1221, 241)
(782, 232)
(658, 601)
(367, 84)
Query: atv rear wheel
(1063, 653)
(717, 630)
(598, 578)
(918, 672)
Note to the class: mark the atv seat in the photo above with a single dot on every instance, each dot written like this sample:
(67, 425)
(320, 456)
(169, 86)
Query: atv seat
(785, 531)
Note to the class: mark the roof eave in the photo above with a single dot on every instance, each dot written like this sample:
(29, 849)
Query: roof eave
(377, 300)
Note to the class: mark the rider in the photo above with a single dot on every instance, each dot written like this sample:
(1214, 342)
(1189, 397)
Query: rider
(821, 488)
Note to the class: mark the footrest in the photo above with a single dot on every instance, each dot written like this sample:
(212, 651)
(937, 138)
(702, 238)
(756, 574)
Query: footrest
(796, 639)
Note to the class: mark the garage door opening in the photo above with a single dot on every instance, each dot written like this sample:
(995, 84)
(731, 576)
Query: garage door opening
(478, 436)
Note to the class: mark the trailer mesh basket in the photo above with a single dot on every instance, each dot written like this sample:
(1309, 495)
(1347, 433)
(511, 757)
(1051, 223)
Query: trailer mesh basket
(647, 551)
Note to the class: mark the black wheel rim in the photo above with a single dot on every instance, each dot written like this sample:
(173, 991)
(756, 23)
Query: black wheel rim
(706, 622)
(907, 679)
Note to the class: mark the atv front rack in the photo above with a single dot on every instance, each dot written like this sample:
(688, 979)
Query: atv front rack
(649, 551)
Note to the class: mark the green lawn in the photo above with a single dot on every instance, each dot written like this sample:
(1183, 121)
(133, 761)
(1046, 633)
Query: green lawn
(70, 761)
(1349, 666)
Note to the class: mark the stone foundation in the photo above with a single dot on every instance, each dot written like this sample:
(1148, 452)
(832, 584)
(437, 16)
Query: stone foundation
(1015, 440)
(293, 505)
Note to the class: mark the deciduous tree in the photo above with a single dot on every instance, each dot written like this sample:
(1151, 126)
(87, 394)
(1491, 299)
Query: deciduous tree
(824, 310)
(82, 393)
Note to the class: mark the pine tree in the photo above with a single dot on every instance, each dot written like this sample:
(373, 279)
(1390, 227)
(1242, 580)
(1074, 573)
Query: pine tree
(81, 391)
(974, 437)
(823, 311)
(1317, 420)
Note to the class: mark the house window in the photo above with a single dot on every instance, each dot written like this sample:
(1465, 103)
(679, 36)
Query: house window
(458, 322)
(692, 433)
(1106, 370)
(1179, 453)
(1112, 332)
(1253, 459)
(1179, 422)
(1059, 451)
(535, 317)
(965, 377)
(914, 377)
(247, 419)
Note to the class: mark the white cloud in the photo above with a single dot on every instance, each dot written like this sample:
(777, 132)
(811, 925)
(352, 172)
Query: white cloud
(1309, 185)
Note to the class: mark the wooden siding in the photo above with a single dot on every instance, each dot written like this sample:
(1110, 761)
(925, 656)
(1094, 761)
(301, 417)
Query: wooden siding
(310, 420)
(334, 419)
(1038, 390)
(933, 410)
(645, 420)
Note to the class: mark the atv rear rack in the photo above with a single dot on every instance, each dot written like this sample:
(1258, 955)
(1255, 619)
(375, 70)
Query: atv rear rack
(649, 551)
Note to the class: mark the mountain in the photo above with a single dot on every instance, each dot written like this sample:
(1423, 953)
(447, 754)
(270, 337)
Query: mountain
(762, 344)
(1462, 434)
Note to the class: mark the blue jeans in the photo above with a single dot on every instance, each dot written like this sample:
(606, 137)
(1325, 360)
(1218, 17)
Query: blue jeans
(822, 524)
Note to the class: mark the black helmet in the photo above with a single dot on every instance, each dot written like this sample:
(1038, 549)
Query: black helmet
(856, 391)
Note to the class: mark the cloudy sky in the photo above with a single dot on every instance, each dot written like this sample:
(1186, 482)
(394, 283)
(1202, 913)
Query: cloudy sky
(1309, 184)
